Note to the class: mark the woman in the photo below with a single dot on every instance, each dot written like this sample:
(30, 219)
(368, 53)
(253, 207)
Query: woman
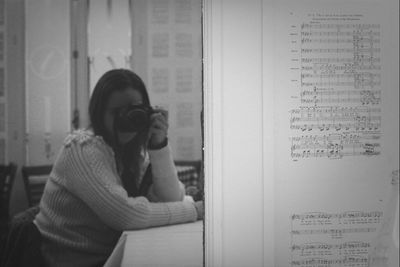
(117, 175)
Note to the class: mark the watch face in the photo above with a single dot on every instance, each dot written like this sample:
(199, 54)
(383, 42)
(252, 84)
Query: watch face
(47, 61)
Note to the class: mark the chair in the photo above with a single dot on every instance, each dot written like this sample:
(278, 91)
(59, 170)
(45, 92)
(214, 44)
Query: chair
(35, 178)
(189, 173)
(7, 176)
(21, 246)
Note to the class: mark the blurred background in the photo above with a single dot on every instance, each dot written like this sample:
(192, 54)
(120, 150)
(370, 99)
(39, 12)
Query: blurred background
(52, 52)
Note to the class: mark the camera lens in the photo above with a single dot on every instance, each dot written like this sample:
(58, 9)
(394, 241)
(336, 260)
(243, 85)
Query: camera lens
(134, 118)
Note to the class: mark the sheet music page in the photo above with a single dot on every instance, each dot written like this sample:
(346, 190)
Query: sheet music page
(336, 127)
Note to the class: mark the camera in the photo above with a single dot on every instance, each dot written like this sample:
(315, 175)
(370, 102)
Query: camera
(133, 118)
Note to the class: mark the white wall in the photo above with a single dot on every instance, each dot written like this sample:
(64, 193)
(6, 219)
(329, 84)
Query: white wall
(246, 222)
(236, 225)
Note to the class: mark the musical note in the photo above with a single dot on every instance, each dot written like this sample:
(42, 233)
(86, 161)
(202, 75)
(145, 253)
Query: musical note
(339, 80)
(334, 146)
(326, 118)
(335, 113)
(356, 26)
(347, 217)
(332, 238)
(318, 262)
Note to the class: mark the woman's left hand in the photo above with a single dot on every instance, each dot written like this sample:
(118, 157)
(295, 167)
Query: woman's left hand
(158, 131)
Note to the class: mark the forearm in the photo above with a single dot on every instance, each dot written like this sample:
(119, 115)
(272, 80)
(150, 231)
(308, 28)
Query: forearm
(166, 185)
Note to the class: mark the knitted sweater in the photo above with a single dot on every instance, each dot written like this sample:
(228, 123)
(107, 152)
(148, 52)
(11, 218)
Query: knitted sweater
(85, 208)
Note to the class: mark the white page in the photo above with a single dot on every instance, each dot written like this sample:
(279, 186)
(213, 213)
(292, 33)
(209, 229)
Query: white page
(176, 245)
(336, 126)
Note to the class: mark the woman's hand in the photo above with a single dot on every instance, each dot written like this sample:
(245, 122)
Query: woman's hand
(158, 131)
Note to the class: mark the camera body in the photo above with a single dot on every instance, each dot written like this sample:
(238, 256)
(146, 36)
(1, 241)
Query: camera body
(133, 118)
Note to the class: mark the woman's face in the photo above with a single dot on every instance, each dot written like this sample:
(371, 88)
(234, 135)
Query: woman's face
(117, 100)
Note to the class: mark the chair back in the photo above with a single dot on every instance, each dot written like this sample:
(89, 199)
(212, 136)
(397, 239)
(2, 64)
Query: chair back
(21, 246)
(7, 177)
(35, 178)
(188, 171)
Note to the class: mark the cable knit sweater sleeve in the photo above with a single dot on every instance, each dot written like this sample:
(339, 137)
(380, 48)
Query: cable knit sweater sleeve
(88, 169)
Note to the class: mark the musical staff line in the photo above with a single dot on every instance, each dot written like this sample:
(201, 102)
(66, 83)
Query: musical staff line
(367, 75)
(329, 262)
(341, 60)
(326, 246)
(335, 146)
(355, 39)
(334, 238)
(339, 96)
(333, 68)
(340, 50)
(336, 118)
(363, 97)
(339, 216)
(357, 26)
(340, 33)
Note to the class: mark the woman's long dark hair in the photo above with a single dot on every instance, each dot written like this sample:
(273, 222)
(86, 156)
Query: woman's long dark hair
(113, 81)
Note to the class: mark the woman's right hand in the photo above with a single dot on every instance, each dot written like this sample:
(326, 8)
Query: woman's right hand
(199, 205)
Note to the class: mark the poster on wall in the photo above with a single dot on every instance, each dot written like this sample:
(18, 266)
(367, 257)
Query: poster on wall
(109, 33)
(3, 118)
(174, 68)
(2, 151)
(47, 79)
(2, 12)
(2, 46)
(2, 82)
